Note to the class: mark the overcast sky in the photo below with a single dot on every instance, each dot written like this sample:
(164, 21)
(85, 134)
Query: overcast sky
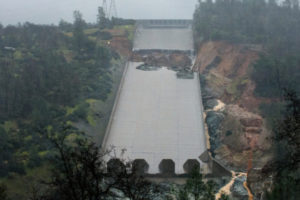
(51, 11)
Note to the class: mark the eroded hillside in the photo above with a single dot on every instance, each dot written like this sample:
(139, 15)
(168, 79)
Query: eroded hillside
(238, 134)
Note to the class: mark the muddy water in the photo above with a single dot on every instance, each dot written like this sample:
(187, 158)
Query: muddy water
(158, 116)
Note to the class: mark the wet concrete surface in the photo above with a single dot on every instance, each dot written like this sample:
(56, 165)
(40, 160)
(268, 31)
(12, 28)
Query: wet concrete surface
(158, 116)
(164, 39)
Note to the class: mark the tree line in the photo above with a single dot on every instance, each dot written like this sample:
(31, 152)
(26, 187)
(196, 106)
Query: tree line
(44, 71)
(274, 26)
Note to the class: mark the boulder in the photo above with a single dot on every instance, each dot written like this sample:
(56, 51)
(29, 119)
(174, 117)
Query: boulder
(213, 121)
(210, 104)
(238, 190)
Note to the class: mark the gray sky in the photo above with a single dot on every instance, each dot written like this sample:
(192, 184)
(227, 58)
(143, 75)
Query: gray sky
(51, 11)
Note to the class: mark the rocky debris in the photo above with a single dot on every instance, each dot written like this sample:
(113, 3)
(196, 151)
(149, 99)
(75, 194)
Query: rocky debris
(242, 137)
(207, 94)
(121, 45)
(227, 67)
(224, 155)
(247, 118)
(216, 82)
(185, 74)
(210, 104)
(180, 60)
(156, 60)
(231, 142)
(238, 190)
(256, 130)
(213, 121)
(258, 182)
(217, 60)
(250, 126)
(147, 67)
(228, 59)
(252, 122)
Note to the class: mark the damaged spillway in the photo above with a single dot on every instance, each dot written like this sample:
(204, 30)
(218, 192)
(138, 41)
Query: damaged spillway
(157, 116)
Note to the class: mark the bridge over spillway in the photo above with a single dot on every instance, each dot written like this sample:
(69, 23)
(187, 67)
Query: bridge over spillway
(157, 116)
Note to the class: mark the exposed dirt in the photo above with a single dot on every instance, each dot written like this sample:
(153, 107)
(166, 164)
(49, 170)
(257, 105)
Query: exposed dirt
(232, 64)
(121, 44)
(235, 59)
(120, 40)
(226, 69)
(250, 132)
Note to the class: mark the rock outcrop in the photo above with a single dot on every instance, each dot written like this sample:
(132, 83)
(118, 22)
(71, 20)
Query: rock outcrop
(237, 133)
(249, 126)
(238, 190)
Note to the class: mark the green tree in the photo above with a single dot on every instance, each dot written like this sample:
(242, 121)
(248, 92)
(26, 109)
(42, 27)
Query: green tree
(288, 133)
(196, 187)
(79, 172)
(47, 72)
(224, 197)
(101, 18)
(286, 166)
(78, 34)
(65, 26)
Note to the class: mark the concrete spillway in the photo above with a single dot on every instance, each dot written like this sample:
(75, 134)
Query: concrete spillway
(164, 35)
(158, 115)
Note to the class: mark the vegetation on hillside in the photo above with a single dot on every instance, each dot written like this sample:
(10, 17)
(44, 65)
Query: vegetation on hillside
(197, 189)
(261, 22)
(79, 173)
(48, 74)
(276, 28)
(285, 167)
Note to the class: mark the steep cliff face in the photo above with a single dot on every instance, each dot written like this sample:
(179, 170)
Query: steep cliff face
(238, 135)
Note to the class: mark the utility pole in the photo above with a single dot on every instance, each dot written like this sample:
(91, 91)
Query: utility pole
(109, 8)
(104, 6)
(113, 9)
